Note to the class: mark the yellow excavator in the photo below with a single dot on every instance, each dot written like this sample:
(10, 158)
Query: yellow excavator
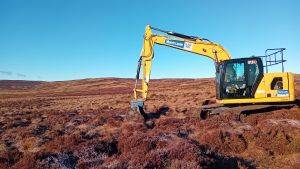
(241, 84)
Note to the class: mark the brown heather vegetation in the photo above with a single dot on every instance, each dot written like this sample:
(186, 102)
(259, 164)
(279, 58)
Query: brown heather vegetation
(88, 124)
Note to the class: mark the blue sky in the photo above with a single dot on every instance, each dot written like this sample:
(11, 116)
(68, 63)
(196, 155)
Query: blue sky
(73, 39)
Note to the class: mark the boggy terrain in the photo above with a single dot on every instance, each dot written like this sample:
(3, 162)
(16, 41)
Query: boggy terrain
(88, 124)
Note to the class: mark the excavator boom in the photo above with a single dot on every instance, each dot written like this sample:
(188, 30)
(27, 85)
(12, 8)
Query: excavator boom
(193, 44)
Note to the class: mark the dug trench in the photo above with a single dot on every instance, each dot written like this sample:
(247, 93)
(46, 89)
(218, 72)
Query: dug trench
(88, 124)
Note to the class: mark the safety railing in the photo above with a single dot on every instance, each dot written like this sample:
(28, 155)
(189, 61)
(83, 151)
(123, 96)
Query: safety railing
(273, 57)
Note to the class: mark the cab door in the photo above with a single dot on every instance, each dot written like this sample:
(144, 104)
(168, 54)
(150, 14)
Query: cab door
(234, 80)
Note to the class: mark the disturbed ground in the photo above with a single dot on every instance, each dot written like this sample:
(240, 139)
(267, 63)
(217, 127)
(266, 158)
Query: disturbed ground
(88, 124)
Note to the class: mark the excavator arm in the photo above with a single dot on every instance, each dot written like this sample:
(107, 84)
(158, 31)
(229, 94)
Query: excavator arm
(196, 45)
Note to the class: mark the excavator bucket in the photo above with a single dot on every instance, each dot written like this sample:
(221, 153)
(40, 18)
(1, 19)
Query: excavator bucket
(138, 106)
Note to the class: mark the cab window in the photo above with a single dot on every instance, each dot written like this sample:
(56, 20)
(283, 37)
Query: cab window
(235, 72)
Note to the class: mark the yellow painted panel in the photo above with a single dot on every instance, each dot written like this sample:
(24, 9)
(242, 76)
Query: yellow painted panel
(264, 90)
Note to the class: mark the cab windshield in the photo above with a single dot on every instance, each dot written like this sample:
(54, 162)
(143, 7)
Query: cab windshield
(235, 72)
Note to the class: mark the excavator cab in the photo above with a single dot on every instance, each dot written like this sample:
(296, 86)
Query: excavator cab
(238, 78)
(243, 80)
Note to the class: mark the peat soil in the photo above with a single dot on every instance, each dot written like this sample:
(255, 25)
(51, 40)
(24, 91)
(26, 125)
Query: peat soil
(88, 124)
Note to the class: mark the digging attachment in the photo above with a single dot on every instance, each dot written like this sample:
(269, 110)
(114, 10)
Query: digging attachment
(138, 106)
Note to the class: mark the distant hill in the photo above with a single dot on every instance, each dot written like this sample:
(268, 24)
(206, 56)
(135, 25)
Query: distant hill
(82, 86)
(28, 85)
(18, 84)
